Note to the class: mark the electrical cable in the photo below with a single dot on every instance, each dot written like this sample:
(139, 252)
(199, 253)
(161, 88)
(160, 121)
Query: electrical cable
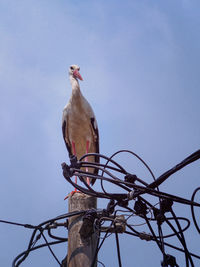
(130, 195)
(192, 209)
(118, 248)
(34, 248)
(193, 157)
(182, 242)
(50, 249)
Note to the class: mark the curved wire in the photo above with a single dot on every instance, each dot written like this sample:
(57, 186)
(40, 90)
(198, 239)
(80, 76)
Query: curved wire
(129, 193)
(192, 209)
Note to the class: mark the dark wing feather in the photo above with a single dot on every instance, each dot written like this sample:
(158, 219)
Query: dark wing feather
(96, 133)
(64, 129)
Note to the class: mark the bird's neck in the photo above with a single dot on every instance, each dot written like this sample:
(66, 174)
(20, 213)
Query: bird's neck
(76, 92)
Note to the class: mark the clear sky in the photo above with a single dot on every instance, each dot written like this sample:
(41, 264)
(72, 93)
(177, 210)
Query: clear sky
(140, 63)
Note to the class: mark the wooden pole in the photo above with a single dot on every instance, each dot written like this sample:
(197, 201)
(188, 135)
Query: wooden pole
(81, 248)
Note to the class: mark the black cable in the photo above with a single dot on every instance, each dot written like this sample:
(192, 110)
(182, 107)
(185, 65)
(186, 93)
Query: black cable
(56, 237)
(38, 227)
(28, 250)
(128, 151)
(50, 249)
(118, 248)
(19, 224)
(95, 165)
(115, 179)
(130, 191)
(101, 263)
(166, 244)
(96, 250)
(161, 239)
(182, 229)
(34, 248)
(141, 189)
(182, 241)
(109, 159)
(181, 235)
(193, 157)
(99, 246)
(83, 163)
(96, 194)
(181, 250)
(192, 209)
(153, 235)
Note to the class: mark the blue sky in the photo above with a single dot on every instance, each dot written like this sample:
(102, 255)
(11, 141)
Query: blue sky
(140, 64)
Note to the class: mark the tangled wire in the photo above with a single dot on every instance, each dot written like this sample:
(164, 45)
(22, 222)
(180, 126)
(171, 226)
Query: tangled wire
(125, 206)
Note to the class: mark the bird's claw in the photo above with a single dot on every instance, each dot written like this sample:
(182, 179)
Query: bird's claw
(72, 193)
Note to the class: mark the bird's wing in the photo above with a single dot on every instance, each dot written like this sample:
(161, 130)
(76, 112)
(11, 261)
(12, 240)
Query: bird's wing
(94, 126)
(65, 132)
(95, 133)
(96, 143)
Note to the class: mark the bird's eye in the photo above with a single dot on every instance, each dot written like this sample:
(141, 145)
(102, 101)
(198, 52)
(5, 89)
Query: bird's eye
(71, 68)
(78, 69)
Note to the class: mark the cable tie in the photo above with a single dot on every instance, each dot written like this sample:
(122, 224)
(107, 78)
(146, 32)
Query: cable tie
(75, 164)
(131, 194)
(105, 213)
(30, 226)
(111, 206)
(52, 225)
(123, 202)
(65, 224)
(86, 229)
(140, 208)
(169, 260)
(67, 171)
(166, 204)
(131, 178)
(145, 236)
(159, 216)
(120, 223)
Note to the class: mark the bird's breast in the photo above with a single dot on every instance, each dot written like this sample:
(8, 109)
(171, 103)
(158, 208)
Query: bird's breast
(79, 127)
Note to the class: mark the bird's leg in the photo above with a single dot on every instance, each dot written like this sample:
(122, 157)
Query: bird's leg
(75, 190)
(86, 160)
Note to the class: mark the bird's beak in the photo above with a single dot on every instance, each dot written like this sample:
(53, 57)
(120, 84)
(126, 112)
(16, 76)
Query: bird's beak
(77, 75)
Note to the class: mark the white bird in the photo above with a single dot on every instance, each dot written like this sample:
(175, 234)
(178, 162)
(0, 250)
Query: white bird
(79, 125)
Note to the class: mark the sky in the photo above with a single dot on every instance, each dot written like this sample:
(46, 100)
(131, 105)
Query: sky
(140, 63)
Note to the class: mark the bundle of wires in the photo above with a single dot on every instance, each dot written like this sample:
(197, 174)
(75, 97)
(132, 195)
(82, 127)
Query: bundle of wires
(128, 200)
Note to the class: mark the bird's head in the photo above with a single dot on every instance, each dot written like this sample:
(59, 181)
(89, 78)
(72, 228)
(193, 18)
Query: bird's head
(74, 72)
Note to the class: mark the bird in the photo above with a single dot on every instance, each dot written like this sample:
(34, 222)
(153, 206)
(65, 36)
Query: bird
(79, 125)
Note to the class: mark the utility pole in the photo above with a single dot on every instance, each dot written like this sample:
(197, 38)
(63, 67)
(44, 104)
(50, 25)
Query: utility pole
(81, 245)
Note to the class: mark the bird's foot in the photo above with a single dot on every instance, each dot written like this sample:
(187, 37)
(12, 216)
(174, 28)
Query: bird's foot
(72, 193)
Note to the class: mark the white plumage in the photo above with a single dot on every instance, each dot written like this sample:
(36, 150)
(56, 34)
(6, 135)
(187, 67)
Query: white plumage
(79, 126)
